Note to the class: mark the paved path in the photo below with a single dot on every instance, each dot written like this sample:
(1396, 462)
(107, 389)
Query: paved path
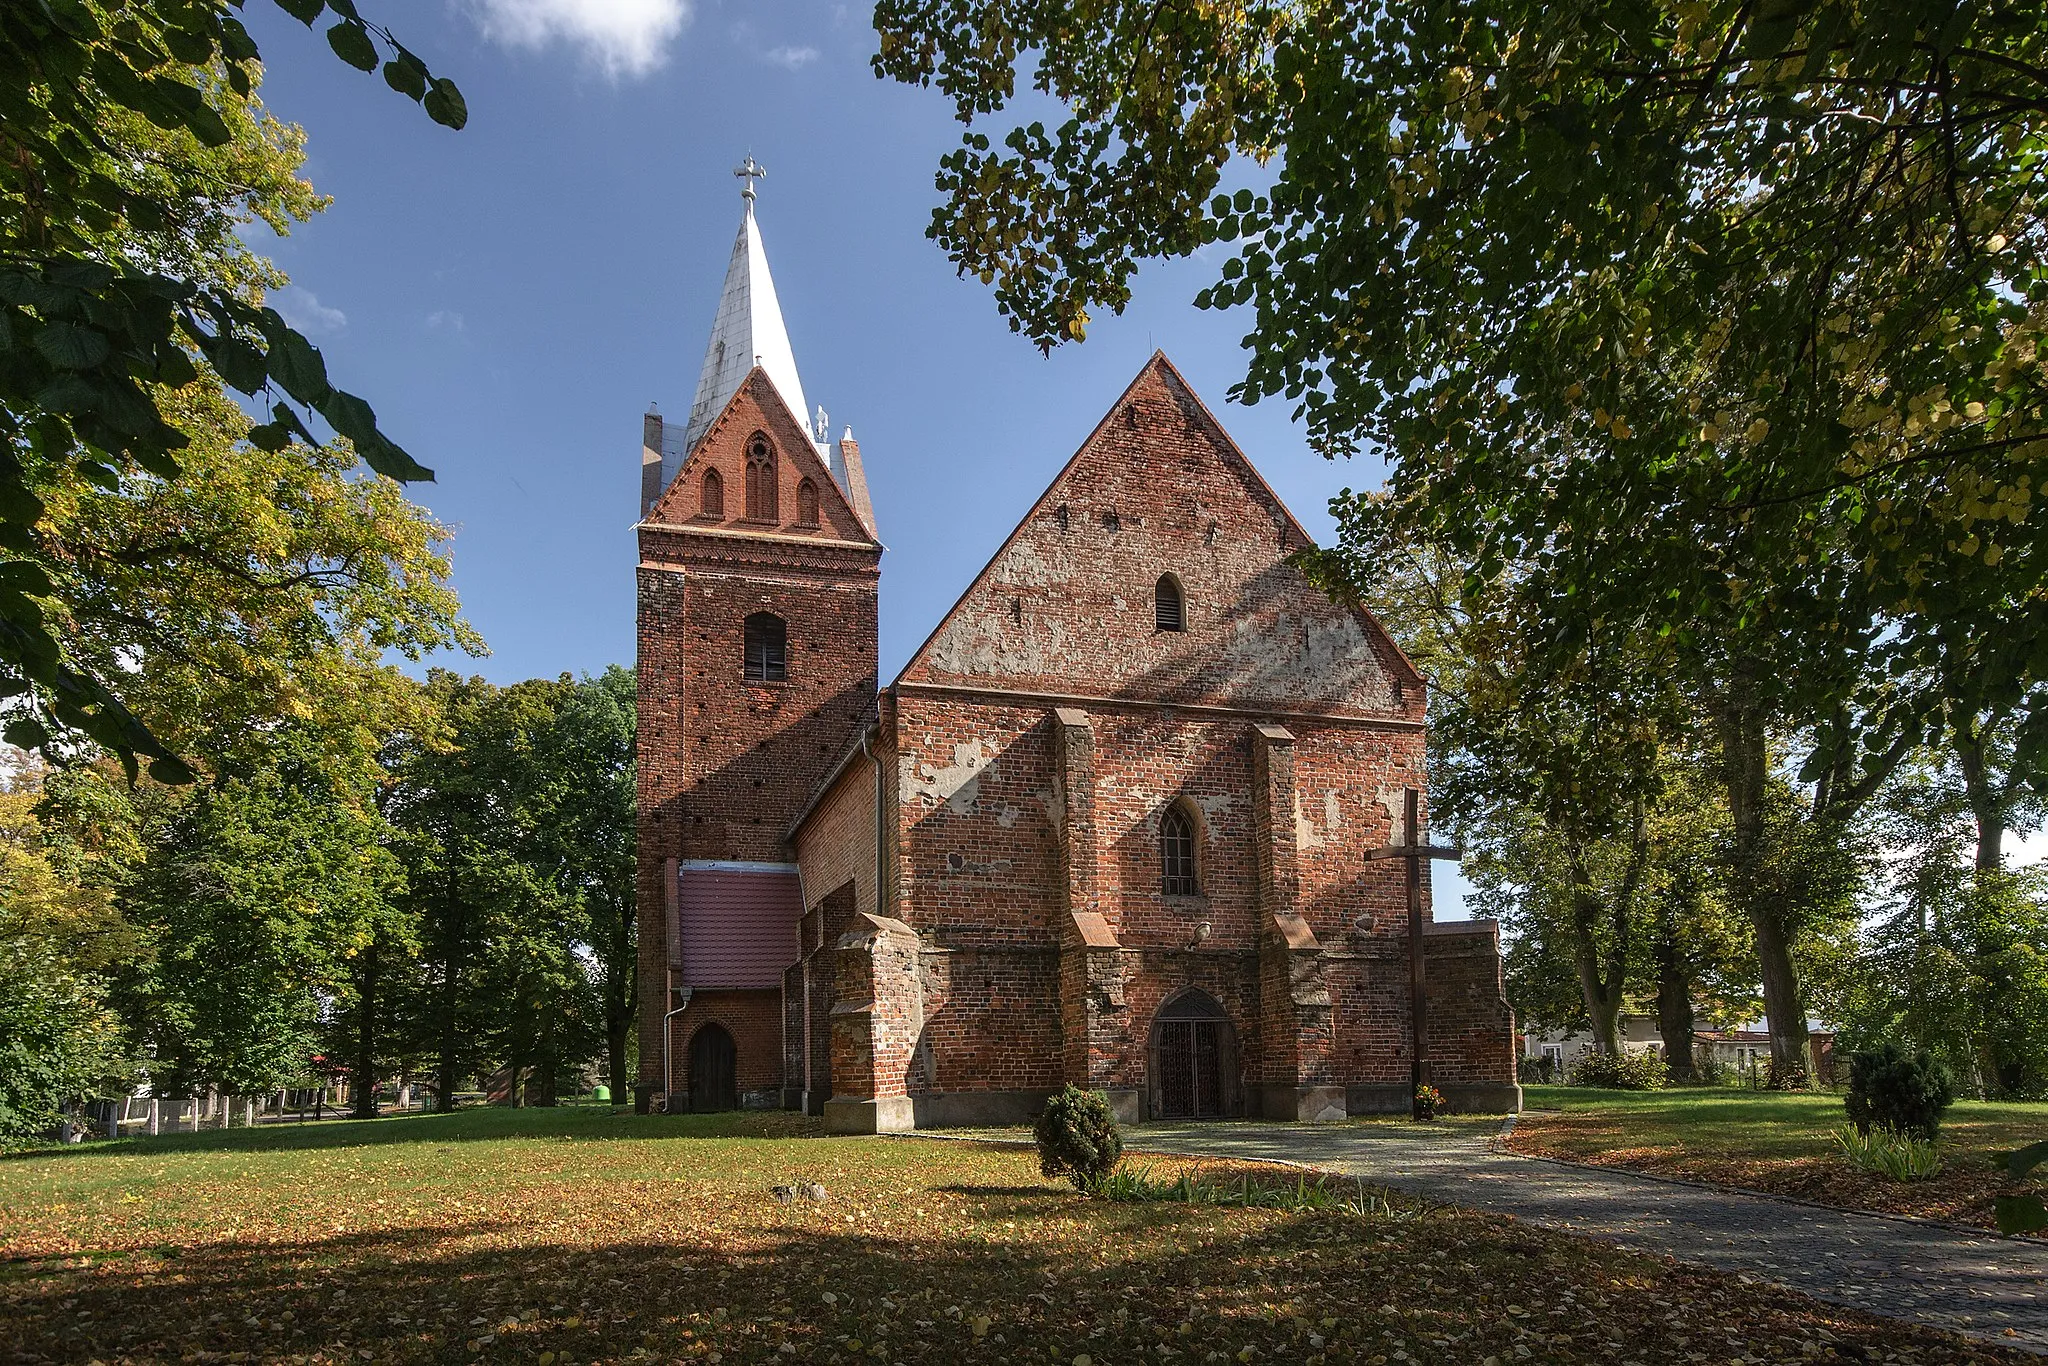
(1973, 1283)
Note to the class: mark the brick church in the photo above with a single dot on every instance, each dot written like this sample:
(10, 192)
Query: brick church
(1108, 826)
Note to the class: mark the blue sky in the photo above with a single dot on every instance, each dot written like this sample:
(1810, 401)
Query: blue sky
(511, 297)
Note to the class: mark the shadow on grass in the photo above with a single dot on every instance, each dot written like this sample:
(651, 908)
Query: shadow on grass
(1026, 1274)
(562, 1124)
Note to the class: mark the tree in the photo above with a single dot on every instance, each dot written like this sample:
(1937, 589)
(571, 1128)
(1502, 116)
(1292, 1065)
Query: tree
(118, 277)
(255, 894)
(60, 1040)
(514, 819)
(592, 822)
(1724, 322)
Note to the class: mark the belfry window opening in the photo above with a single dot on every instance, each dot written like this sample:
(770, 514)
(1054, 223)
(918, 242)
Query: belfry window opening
(767, 649)
(1169, 608)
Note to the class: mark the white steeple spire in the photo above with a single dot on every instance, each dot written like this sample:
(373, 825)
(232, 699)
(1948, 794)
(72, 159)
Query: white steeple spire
(748, 330)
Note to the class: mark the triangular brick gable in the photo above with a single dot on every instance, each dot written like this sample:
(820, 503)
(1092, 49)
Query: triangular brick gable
(757, 406)
(1067, 605)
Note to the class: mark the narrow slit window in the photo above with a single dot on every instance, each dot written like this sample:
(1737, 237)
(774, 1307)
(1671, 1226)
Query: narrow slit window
(714, 494)
(806, 504)
(767, 647)
(1177, 853)
(1170, 610)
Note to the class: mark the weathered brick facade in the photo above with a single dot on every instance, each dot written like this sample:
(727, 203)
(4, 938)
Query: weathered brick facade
(980, 847)
(726, 764)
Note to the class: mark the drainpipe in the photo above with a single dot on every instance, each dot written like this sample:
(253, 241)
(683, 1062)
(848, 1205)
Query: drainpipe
(668, 1074)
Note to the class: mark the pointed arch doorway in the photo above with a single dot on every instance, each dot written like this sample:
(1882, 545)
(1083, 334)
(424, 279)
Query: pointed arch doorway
(714, 1070)
(1194, 1059)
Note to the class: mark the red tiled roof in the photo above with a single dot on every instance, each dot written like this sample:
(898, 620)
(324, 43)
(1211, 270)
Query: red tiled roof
(736, 927)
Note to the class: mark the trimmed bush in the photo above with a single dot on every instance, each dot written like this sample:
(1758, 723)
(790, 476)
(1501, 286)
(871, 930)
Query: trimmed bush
(1623, 1071)
(1904, 1093)
(1078, 1138)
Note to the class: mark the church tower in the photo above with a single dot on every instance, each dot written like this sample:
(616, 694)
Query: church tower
(758, 572)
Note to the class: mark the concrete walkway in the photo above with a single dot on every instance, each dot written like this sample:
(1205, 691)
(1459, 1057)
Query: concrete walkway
(1977, 1284)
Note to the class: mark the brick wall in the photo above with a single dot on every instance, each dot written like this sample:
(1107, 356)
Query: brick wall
(725, 765)
(754, 1019)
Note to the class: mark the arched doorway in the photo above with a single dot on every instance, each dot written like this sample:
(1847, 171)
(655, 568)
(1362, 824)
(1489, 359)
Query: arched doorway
(1194, 1059)
(713, 1070)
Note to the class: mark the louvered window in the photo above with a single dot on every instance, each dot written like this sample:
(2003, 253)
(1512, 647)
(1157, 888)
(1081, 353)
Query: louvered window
(1169, 609)
(767, 649)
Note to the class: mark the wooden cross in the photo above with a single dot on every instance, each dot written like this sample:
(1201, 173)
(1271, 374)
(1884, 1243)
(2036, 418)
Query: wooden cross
(1418, 1000)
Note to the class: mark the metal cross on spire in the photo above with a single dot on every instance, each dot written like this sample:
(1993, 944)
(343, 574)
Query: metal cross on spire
(749, 171)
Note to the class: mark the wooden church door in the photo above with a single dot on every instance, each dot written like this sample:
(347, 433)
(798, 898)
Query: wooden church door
(713, 1068)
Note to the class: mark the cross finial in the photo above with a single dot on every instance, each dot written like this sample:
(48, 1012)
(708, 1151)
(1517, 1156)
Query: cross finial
(749, 171)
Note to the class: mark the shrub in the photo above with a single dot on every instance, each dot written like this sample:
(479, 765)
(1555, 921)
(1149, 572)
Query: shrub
(1708, 1070)
(1892, 1155)
(1536, 1071)
(1623, 1071)
(1078, 1138)
(1898, 1091)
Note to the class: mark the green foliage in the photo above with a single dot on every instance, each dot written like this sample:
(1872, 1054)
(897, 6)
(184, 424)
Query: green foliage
(1078, 1138)
(119, 281)
(1897, 1091)
(1956, 965)
(59, 1039)
(1888, 1153)
(2024, 1212)
(1130, 1184)
(255, 893)
(1624, 1071)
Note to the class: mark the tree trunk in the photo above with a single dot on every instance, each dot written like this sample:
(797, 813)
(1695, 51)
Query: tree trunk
(365, 1068)
(1674, 1009)
(447, 1063)
(1980, 788)
(1746, 774)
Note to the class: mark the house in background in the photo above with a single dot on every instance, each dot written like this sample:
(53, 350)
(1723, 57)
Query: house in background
(1743, 1050)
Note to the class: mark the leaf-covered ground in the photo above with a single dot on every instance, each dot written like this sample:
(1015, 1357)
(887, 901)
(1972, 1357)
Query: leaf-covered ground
(576, 1236)
(1776, 1142)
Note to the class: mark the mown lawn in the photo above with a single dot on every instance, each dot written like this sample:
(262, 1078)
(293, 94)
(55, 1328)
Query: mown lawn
(1777, 1142)
(577, 1236)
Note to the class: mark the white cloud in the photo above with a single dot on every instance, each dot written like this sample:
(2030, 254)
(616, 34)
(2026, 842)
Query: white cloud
(793, 58)
(444, 320)
(302, 309)
(624, 37)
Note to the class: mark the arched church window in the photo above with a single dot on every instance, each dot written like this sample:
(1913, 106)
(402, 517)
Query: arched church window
(1169, 609)
(1177, 852)
(806, 504)
(767, 646)
(760, 480)
(714, 494)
